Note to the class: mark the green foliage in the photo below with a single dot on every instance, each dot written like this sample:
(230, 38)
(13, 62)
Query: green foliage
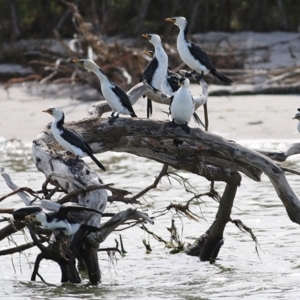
(37, 18)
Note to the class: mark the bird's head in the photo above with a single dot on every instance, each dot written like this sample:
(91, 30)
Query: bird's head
(57, 113)
(184, 82)
(88, 64)
(297, 116)
(152, 38)
(178, 21)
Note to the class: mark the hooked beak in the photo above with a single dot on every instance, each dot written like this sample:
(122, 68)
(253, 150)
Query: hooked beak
(149, 53)
(170, 20)
(78, 62)
(48, 111)
(146, 36)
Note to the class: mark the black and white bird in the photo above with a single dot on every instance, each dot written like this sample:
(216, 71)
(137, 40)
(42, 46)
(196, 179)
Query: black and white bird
(193, 55)
(182, 106)
(171, 81)
(60, 220)
(156, 71)
(69, 138)
(115, 96)
(297, 117)
(171, 84)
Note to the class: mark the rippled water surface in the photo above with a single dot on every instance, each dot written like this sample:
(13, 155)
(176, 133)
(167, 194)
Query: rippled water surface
(239, 273)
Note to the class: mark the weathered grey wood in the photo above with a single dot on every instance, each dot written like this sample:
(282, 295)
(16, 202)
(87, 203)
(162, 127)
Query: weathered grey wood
(153, 140)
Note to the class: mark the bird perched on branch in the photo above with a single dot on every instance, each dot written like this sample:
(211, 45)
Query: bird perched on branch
(156, 70)
(116, 97)
(170, 83)
(193, 55)
(60, 220)
(69, 138)
(182, 107)
(297, 117)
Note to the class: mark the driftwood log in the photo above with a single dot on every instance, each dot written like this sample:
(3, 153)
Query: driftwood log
(202, 153)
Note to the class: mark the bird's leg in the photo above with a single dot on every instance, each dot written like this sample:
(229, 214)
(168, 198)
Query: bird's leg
(113, 119)
(185, 128)
(173, 124)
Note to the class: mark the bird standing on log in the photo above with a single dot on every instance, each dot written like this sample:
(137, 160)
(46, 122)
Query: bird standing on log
(171, 81)
(193, 55)
(116, 97)
(297, 117)
(69, 138)
(156, 71)
(182, 106)
(60, 220)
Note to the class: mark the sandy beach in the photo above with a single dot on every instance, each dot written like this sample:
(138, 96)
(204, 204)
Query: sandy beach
(234, 117)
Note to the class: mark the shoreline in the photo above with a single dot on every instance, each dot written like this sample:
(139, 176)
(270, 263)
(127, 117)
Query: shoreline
(259, 117)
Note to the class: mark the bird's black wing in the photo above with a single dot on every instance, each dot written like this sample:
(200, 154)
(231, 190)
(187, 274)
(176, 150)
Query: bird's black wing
(173, 80)
(171, 100)
(149, 71)
(123, 98)
(74, 207)
(21, 213)
(199, 54)
(76, 139)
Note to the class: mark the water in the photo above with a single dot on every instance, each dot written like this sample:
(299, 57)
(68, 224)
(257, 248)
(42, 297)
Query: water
(238, 273)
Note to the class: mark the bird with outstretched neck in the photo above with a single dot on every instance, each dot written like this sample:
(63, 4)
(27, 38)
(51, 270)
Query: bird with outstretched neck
(193, 55)
(115, 96)
(70, 139)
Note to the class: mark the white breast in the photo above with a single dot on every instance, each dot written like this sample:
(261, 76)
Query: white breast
(182, 107)
(112, 99)
(161, 72)
(187, 57)
(57, 135)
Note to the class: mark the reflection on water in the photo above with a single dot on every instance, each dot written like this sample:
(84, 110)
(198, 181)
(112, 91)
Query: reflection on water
(239, 272)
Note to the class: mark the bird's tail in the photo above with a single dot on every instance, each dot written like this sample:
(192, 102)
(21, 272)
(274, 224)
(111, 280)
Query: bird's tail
(98, 163)
(197, 119)
(221, 77)
(89, 228)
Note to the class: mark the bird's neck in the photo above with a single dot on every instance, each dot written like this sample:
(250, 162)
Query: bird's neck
(183, 31)
(100, 75)
(58, 122)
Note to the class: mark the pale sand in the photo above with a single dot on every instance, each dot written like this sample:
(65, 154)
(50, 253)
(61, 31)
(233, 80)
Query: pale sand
(235, 117)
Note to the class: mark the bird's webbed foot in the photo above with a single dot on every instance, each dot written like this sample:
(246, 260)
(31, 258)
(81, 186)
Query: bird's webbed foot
(185, 128)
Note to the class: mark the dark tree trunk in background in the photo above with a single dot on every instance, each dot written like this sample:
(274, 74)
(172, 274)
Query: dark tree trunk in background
(16, 32)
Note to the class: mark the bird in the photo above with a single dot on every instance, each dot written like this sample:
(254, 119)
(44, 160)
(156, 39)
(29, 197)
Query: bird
(171, 84)
(60, 220)
(115, 96)
(192, 54)
(69, 138)
(297, 117)
(156, 70)
(171, 81)
(182, 107)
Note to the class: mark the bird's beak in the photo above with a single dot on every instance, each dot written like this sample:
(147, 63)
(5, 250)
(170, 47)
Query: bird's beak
(146, 36)
(48, 111)
(78, 62)
(170, 20)
(148, 53)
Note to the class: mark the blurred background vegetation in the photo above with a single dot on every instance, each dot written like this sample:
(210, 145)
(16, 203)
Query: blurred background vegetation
(129, 18)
